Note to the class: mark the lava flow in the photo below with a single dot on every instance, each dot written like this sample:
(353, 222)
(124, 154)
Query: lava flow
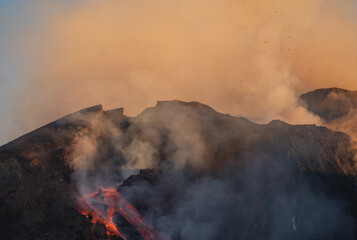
(90, 205)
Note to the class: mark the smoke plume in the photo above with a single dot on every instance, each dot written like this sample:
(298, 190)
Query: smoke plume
(219, 176)
(248, 58)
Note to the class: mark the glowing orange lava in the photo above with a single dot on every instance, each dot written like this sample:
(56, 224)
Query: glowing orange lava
(115, 203)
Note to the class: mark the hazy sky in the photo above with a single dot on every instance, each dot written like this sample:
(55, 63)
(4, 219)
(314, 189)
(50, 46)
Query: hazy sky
(18, 20)
(8, 69)
(247, 57)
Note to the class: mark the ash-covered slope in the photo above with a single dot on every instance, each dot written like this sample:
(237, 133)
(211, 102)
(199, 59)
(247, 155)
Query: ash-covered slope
(216, 177)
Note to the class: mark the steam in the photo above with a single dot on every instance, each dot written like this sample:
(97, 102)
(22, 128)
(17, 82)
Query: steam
(250, 58)
(338, 111)
(233, 200)
(348, 125)
(138, 147)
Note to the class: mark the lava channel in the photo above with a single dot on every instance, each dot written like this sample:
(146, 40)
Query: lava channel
(89, 205)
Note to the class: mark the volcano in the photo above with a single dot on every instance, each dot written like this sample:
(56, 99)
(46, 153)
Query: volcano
(181, 170)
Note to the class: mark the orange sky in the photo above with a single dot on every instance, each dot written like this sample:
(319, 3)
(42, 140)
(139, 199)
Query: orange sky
(246, 57)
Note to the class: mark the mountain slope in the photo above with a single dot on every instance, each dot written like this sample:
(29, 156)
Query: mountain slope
(256, 177)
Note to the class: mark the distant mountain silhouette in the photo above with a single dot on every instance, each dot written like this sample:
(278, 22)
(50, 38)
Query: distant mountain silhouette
(330, 103)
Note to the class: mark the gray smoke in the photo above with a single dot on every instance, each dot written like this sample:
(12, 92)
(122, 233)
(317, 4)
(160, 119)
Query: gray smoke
(217, 176)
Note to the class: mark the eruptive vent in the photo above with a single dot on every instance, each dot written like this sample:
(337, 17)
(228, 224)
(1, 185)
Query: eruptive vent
(104, 204)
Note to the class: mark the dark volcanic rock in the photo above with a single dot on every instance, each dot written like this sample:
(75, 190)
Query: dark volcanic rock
(225, 176)
(225, 138)
(126, 228)
(330, 103)
(148, 175)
